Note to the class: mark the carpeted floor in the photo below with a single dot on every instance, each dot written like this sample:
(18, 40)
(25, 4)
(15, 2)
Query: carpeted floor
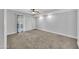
(37, 39)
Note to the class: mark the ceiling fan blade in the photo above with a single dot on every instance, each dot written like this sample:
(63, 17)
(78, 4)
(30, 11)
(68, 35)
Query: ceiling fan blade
(33, 10)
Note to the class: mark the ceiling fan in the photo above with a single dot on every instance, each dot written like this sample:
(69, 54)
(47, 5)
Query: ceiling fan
(35, 11)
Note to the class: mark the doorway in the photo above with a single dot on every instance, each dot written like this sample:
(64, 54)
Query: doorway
(19, 23)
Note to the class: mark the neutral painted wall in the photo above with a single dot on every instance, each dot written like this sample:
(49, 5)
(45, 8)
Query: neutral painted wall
(78, 27)
(11, 22)
(61, 23)
(28, 21)
(1, 28)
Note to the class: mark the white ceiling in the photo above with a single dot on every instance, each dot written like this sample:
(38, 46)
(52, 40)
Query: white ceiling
(42, 11)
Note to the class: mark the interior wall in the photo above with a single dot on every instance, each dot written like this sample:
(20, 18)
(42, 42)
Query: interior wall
(60, 23)
(11, 22)
(28, 22)
(78, 27)
(1, 28)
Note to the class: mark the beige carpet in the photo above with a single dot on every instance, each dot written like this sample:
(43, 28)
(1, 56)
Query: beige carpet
(36, 39)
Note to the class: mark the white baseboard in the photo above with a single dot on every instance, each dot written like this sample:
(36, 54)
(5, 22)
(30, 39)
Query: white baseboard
(11, 33)
(58, 33)
(48, 31)
(29, 29)
(23, 31)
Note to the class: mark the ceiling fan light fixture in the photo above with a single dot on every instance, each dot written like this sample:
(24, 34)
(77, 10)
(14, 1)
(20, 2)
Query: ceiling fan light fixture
(33, 13)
